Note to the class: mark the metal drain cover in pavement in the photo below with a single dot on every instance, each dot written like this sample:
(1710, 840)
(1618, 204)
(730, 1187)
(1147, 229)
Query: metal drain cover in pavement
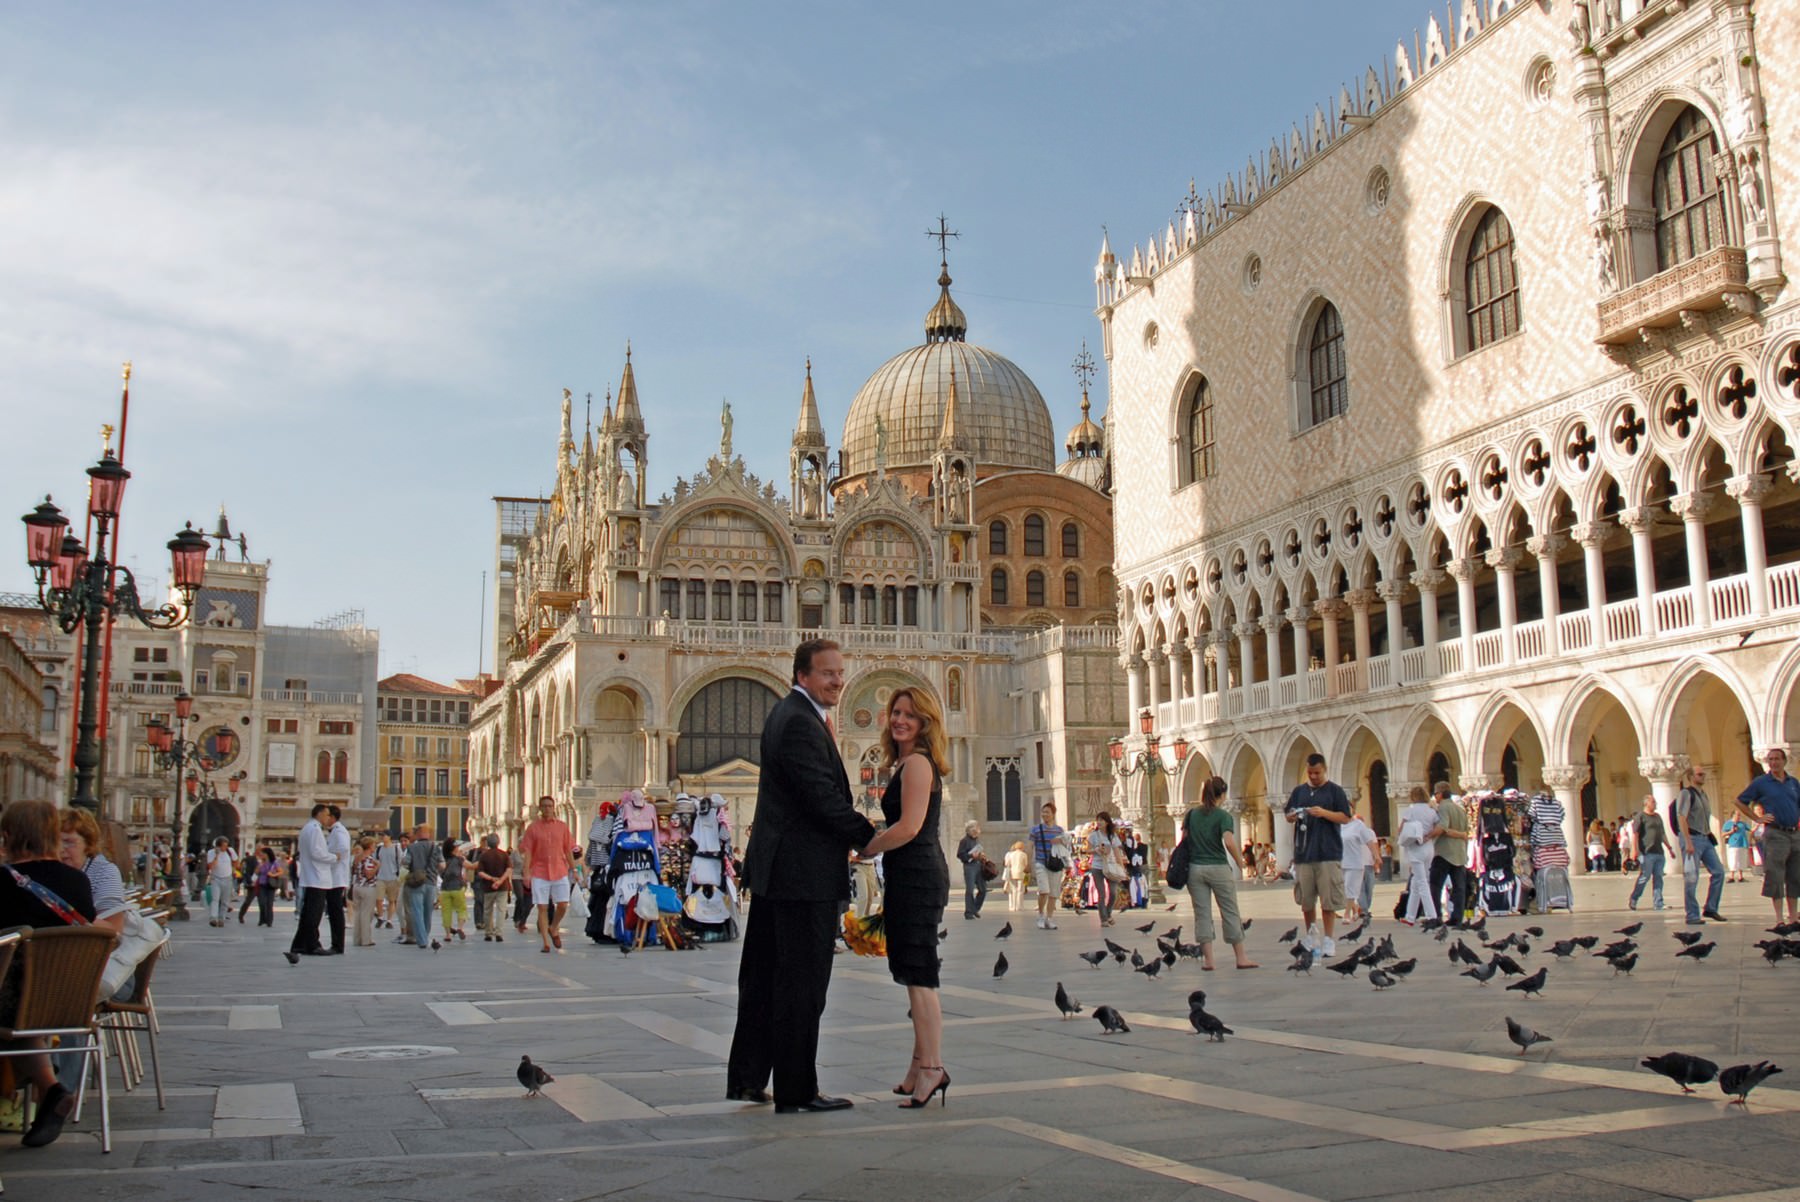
(393, 1051)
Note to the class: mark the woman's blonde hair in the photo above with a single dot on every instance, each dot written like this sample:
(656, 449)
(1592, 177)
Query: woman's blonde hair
(1417, 795)
(932, 741)
(1019, 846)
(80, 822)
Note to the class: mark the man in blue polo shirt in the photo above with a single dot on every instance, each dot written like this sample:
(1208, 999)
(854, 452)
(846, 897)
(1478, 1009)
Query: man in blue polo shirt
(1774, 798)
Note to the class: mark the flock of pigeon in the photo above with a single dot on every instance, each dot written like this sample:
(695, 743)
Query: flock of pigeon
(1386, 969)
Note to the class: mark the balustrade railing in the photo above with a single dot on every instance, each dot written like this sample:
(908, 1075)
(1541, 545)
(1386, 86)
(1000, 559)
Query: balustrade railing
(1624, 621)
(1730, 598)
(1674, 610)
(1528, 641)
(1575, 631)
(1490, 652)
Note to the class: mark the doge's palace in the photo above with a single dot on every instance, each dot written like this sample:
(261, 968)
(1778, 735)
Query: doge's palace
(1454, 434)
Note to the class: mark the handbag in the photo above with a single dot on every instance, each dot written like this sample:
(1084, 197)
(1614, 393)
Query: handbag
(989, 869)
(1112, 865)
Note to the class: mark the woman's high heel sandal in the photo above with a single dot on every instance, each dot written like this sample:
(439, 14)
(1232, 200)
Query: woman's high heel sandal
(943, 1087)
(903, 1090)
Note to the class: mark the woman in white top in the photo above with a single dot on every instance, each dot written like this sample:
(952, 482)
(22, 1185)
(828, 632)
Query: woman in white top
(221, 871)
(1106, 864)
(1017, 863)
(1418, 843)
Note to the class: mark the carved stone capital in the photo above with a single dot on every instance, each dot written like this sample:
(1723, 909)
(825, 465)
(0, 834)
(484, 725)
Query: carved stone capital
(1591, 534)
(1480, 782)
(1156, 657)
(1329, 607)
(1565, 777)
(1245, 630)
(1667, 769)
(1691, 507)
(1272, 623)
(1638, 519)
(1360, 598)
(1428, 580)
(1503, 559)
(1392, 590)
(1299, 615)
(1462, 569)
(1748, 489)
(1546, 546)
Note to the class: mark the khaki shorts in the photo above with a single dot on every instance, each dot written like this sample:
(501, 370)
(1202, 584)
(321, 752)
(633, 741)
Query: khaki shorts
(1320, 885)
(1048, 883)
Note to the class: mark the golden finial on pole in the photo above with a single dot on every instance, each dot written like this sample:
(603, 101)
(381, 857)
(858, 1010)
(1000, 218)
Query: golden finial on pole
(127, 371)
(106, 433)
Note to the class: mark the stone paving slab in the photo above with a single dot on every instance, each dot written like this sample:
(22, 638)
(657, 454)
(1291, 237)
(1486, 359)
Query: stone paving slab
(1331, 1090)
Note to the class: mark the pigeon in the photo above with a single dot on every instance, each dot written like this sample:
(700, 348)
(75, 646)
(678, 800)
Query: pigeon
(435, 945)
(1563, 948)
(1137, 961)
(1500, 945)
(1585, 942)
(1111, 1021)
(1174, 907)
(1196, 999)
(1112, 947)
(943, 934)
(1171, 933)
(1345, 968)
(1522, 947)
(1432, 924)
(1463, 952)
(1190, 951)
(1740, 1079)
(1441, 934)
(1119, 956)
(1631, 930)
(1064, 1003)
(1380, 979)
(1146, 928)
(1353, 936)
(624, 949)
(1290, 935)
(1531, 984)
(1613, 951)
(1004, 932)
(1481, 972)
(1094, 959)
(1385, 949)
(1208, 1025)
(1303, 961)
(1773, 950)
(1507, 965)
(1150, 969)
(1688, 938)
(1401, 968)
(1168, 959)
(1535, 932)
(1785, 929)
(532, 1077)
(1624, 964)
(1000, 966)
(1366, 952)
(1698, 951)
(1522, 1035)
(1685, 1070)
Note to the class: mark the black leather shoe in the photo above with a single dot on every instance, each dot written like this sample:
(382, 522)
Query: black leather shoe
(1714, 915)
(292, 957)
(759, 1096)
(818, 1103)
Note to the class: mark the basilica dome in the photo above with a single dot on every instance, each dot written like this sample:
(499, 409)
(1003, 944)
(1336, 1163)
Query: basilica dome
(1001, 417)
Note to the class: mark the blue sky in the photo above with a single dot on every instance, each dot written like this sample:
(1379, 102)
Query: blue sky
(357, 251)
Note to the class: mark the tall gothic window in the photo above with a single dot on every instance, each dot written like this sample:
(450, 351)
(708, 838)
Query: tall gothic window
(1490, 282)
(1197, 432)
(1690, 205)
(996, 537)
(1071, 540)
(997, 587)
(723, 722)
(1326, 373)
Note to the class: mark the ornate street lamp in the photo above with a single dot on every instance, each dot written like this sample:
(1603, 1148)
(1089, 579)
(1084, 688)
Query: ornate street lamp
(82, 588)
(1149, 763)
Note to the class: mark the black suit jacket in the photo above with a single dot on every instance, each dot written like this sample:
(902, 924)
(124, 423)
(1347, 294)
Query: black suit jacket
(806, 823)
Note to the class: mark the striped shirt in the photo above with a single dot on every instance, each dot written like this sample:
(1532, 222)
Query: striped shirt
(1546, 822)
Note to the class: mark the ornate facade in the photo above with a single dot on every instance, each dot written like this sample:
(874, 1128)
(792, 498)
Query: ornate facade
(641, 642)
(1457, 432)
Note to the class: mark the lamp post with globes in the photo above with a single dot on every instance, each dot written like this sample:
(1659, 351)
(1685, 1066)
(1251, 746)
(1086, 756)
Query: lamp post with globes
(1148, 763)
(191, 763)
(83, 589)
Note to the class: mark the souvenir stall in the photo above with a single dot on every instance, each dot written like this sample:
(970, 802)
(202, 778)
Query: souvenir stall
(710, 904)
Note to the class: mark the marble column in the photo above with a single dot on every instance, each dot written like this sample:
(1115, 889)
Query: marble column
(1665, 773)
(1271, 625)
(1591, 536)
(1153, 662)
(1463, 572)
(1393, 596)
(1639, 519)
(1692, 507)
(1176, 683)
(1246, 660)
(1298, 617)
(1546, 548)
(1134, 687)
(1428, 582)
(1505, 561)
(1198, 683)
(1329, 609)
(1565, 780)
(1748, 492)
(1360, 600)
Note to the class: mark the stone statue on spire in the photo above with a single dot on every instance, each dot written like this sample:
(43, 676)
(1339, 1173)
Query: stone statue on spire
(725, 433)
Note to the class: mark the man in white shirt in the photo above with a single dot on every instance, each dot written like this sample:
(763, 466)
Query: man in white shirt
(337, 841)
(313, 864)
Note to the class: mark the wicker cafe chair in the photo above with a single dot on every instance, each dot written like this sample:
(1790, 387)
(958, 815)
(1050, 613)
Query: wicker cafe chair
(59, 972)
(122, 1019)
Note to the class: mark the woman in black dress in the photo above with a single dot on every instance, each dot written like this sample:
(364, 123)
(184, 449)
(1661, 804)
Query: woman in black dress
(918, 878)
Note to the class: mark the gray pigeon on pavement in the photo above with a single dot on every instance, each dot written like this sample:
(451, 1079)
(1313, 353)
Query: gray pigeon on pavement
(1683, 1069)
(532, 1077)
(1522, 1035)
(1111, 1020)
(1740, 1079)
(1064, 1003)
(1000, 966)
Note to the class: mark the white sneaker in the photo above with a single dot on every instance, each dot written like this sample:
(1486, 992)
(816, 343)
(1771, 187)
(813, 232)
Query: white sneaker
(1042, 924)
(1330, 947)
(1049, 926)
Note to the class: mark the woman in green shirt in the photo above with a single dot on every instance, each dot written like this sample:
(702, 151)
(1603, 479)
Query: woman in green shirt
(1213, 862)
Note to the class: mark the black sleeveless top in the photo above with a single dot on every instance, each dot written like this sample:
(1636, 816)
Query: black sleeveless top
(919, 862)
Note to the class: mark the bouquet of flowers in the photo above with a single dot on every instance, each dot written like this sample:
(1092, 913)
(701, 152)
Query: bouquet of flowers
(865, 936)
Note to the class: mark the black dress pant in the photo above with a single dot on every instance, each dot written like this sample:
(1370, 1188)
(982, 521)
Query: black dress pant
(312, 909)
(1458, 876)
(265, 905)
(334, 916)
(784, 974)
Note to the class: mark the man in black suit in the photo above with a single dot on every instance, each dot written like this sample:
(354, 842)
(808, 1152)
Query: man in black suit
(797, 867)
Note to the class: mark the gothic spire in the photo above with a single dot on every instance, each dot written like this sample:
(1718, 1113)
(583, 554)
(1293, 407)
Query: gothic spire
(809, 431)
(950, 436)
(630, 417)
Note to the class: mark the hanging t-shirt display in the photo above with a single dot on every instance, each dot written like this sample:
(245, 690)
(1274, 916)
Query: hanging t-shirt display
(634, 866)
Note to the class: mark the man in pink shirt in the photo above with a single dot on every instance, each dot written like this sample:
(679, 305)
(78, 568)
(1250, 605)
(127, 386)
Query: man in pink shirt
(548, 846)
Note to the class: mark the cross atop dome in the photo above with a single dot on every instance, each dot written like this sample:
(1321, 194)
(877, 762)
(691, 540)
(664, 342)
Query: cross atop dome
(945, 322)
